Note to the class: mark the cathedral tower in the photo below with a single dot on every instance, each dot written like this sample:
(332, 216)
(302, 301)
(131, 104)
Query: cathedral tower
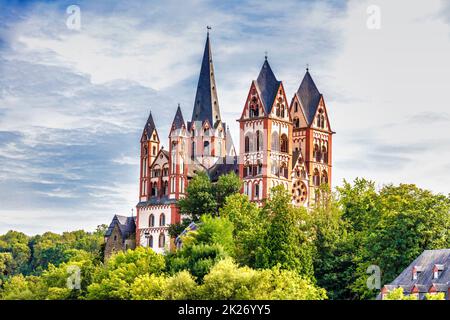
(312, 141)
(149, 149)
(178, 142)
(265, 131)
(207, 131)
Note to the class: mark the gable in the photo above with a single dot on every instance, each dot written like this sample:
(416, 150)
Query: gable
(320, 119)
(253, 102)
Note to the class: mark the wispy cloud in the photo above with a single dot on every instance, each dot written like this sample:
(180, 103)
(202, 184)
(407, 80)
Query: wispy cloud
(73, 103)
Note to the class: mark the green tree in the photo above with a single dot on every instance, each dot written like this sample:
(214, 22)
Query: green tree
(200, 198)
(249, 227)
(289, 239)
(227, 185)
(397, 294)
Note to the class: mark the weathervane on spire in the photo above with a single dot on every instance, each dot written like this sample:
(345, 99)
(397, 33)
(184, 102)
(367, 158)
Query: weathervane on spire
(307, 67)
(265, 55)
(208, 28)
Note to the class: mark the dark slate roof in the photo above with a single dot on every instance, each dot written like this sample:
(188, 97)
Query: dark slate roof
(165, 200)
(191, 227)
(206, 104)
(150, 125)
(309, 97)
(178, 121)
(426, 262)
(268, 86)
(221, 167)
(127, 226)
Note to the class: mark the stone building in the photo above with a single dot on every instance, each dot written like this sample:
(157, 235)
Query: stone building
(120, 236)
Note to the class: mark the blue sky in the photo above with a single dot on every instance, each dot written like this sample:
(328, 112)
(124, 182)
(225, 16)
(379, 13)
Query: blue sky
(73, 103)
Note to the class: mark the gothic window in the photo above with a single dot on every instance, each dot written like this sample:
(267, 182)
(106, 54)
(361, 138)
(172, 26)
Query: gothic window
(151, 220)
(165, 171)
(259, 171)
(275, 169)
(254, 110)
(256, 195)
(162, 240)
(296, 107)
(154, 151)
(150, 241)
(324, 154)
(282, 110)
(316, 178)
(296, 123)
(154, 136)
(316, 153)
(166, 188)
(324, 177)
(259, 141)
(206, 149)
(248, 143)
(162, 220)
(145, 151)
(275, 141)
(278, 110)
(284, 143)
(284, 170)
(154, 189)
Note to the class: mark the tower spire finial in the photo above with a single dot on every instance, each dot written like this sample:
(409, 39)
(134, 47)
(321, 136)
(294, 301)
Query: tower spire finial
(265, 55)
(207, 30)
(307, 67)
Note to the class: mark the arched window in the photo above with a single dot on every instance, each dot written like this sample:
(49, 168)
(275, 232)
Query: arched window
(254, 110)
(278, 110)
(256, 195)
(316, 178)
(151, 220)
(166, 188)
(154, 151)
(324, 177)
(259, 167)
(206, 149)
(322, 120)
(316, 152)
(248, 142)
(259, 141)
(324, 154)
(193, 150)
(162, 240)
(296, 106)
(247, 169)
(150, 241)
(296, 123)
(145, 151)
(284, 143)
(275, 170)
(154, 189)
(275, 141)
(162, 220)
(284, 170)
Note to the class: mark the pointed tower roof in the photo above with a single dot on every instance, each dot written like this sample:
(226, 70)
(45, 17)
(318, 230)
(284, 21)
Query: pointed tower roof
(178, 121)
(268, 85)
(150, 125)
(206, 104)
(309, 97)
(229, 145)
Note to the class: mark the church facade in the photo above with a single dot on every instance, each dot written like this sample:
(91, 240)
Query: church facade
(281, 143)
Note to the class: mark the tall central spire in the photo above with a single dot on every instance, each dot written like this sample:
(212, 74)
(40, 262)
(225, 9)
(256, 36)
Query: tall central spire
(206, 104)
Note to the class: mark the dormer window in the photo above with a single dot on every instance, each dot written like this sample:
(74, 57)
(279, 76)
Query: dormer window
(437, 270)
(416, 272)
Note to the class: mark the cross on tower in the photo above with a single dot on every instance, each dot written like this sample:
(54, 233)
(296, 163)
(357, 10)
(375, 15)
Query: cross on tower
(208, 28)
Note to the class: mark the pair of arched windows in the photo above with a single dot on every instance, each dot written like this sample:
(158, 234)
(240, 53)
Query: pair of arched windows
(280, 143)
(321, 119)
(320, 179)
(161, 241)
(162, 220)
(254, 143)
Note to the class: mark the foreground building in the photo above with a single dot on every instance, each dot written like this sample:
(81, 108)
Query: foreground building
(120, 236)
(429, 273)
(281, 143)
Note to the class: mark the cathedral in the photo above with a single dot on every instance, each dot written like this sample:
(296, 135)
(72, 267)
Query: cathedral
(281, 143)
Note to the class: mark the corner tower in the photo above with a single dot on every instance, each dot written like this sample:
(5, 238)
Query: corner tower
(149, 149)
(265, 131)
(312, 141)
